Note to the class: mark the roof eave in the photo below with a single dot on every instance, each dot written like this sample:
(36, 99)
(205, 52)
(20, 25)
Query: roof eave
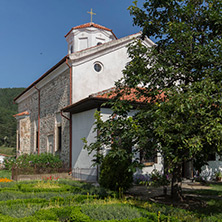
(92, 103)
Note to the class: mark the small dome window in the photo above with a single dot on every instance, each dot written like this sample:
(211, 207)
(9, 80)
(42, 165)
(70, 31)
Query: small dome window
(98, 66)
(99, 43)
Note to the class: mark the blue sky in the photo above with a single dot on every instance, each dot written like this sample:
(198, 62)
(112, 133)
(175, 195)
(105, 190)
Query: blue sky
(32, 33)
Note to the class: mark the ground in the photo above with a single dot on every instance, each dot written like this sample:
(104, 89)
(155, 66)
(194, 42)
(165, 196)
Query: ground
(195, 194)
(50, 196)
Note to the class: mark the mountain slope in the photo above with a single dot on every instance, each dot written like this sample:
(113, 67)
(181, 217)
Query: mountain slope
(7, 121)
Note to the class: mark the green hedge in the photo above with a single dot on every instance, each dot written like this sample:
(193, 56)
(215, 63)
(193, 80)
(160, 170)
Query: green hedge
(75, 214)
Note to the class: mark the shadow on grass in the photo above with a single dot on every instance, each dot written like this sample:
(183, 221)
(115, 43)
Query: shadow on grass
(212, 199)
(215, 189)
(213, 207)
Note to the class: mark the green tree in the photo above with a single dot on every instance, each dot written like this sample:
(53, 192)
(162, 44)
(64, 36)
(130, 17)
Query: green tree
(7, 121)
(180, 80)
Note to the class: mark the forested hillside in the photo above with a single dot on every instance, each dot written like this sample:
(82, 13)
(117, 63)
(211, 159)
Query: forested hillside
(7, 121)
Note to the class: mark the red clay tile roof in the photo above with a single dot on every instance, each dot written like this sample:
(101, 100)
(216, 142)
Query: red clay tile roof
(21, 114)
(91, 24)
(95, 100)
(131, 95)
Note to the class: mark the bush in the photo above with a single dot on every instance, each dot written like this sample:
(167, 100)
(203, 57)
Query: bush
(8, 162)
(115, 173)
(34, 163)
(111, 212)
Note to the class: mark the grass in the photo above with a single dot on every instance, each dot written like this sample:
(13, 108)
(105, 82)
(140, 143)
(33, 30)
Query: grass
(5, 174)
(28, 199)
(7, 150)
(215, 189)
(212, 198)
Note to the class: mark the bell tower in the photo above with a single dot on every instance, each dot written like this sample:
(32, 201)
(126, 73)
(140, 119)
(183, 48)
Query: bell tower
(88, 35)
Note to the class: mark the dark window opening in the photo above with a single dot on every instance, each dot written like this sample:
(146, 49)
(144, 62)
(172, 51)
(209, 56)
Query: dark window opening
(59, 138)
(37, 138)
(97, 67)
(18, 141)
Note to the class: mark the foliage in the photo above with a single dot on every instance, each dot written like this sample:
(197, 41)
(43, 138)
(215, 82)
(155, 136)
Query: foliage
(158, 179)
(7, 150)
(184, 65)
(34, 163)
(111, 212)
(179, 80)
(45, 184)
(23, 205)
(21, 210)
(7, 121)
(218, 175)
(115, 174)
(155, 178)
(5, 174)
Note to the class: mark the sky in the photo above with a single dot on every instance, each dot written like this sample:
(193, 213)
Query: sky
(32, 33)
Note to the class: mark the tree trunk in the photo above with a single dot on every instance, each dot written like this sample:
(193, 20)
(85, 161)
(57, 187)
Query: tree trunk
(176, 190)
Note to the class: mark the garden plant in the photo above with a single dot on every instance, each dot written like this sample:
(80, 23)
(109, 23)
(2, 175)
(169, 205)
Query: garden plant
(55, 199)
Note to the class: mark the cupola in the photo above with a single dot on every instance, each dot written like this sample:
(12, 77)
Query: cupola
(88, 35)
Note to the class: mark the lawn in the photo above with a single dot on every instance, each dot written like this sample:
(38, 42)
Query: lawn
(7, 150)
(67, 200)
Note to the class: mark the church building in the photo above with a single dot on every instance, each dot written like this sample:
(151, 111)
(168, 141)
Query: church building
(57, 110)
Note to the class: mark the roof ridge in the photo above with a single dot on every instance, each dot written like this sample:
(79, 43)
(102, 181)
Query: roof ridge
(90, 24)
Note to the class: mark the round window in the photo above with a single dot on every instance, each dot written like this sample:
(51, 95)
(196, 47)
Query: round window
(97, 67)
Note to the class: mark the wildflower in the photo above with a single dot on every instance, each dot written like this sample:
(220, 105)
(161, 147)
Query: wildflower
(5, 180)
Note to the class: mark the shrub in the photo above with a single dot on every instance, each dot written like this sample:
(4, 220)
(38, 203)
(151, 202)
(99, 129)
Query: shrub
(111, 212)
(158, 179)
(78, 216)
(115, 173)
(8, 162)
(20, 210)
(34, 163)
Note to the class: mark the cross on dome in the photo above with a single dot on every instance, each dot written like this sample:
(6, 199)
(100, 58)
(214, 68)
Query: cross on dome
(91, 13)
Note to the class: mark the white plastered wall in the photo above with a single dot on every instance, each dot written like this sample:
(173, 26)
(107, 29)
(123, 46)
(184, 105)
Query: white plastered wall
(82, 126)
(87, 81)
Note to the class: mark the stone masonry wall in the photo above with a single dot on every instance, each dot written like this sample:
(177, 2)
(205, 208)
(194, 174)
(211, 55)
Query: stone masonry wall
(53, 97)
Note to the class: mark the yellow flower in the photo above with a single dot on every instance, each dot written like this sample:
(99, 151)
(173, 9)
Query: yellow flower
(5, 180)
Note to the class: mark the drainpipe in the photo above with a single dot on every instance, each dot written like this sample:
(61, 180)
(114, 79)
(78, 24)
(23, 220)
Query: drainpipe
(70, 81)
(38, 119)
(70, 118)
(97, 167)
